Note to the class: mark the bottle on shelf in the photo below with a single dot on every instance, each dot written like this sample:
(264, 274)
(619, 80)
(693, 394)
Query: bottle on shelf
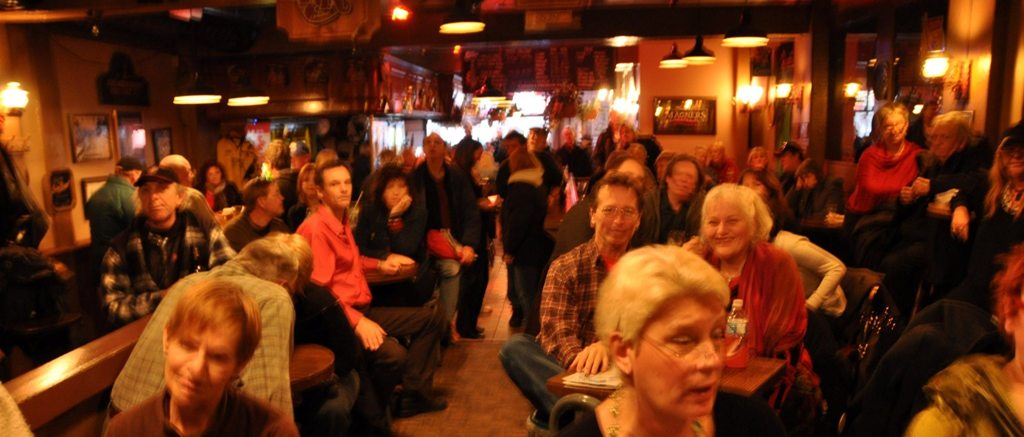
(736, 350)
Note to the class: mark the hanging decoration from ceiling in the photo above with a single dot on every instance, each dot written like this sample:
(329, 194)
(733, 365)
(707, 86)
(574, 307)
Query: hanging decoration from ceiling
(322, 21)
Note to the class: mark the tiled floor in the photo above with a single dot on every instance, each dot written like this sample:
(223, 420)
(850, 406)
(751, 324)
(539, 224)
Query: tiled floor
(481, 399)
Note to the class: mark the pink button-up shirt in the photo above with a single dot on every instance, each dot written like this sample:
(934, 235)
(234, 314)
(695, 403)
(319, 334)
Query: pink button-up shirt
(337, 264)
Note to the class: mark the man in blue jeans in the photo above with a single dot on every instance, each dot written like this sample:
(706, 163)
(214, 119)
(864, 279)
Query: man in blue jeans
(567, 337)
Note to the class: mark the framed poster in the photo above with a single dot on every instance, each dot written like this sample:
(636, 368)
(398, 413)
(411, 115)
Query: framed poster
(131, 135)
(90, 137)
(685, 115)
(162, 143)
(59, 189)
(90, 186)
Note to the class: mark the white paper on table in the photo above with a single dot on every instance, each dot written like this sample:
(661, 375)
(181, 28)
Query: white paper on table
(607, 379)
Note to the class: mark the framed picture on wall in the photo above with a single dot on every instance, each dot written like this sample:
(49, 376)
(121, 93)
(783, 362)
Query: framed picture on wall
(90, 137)
(685, 115)
(59, 189)
(90, 186)
(131, 135)
(162, 143)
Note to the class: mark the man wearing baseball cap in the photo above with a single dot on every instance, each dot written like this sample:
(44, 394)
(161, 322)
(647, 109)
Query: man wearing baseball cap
(110, 209)
(790, 156)
(164, 243)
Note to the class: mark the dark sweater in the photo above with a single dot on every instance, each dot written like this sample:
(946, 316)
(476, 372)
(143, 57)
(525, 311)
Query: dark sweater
(734, 415)
(463, 211)
(237, 415)
(522, 220)
(376, 240)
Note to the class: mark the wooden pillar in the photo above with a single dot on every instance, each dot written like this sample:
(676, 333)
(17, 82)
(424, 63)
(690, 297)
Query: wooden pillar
(821, 142)
(885, 52)
(1005, 49)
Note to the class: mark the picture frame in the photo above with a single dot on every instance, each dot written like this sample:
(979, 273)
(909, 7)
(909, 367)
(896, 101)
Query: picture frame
(59, 189)
(163, 143)
(90, 137)
(131, 136)
(90, 186)
(685, 115)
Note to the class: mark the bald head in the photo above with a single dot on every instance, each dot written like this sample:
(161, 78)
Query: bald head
(180, 166)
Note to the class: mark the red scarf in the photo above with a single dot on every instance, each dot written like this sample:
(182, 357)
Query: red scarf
(879, 178)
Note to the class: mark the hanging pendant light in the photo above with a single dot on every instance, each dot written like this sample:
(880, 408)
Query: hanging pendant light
(196, 92)
(699, 54)
(462, 20)
(248, 95)
(673, 59)
(745, 35)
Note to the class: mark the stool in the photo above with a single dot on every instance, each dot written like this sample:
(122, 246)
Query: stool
(578, 403)
(310, 365)
(30, 337)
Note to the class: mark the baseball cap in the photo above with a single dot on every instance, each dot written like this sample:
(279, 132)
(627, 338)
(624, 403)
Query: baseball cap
(791, 148)
(158, 174)
(129, 163)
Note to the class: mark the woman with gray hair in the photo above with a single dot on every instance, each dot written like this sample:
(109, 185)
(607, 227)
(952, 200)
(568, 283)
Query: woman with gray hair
(664, 326)
(736, 224)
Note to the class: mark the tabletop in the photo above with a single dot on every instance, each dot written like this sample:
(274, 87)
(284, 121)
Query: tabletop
(757, 378)
(310, 365)
(405, 273)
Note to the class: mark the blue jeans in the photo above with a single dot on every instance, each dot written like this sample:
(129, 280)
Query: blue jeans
(527, 286)
(530, 367)
(450, 271)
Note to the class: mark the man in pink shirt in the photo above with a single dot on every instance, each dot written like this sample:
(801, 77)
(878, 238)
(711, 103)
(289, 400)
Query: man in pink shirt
(338, 267)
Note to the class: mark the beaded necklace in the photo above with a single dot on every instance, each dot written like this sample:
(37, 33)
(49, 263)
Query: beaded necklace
(616, 408)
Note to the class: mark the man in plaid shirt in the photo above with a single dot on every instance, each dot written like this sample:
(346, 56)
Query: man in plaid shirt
(567, 337)
(163, 244)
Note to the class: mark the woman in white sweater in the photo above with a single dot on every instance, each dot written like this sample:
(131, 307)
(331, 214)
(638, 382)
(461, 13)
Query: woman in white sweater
(820, 271)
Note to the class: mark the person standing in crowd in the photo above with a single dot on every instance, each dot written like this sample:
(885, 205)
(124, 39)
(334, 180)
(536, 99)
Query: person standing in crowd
(538, 145)
(920, 132)
(307, 200)
(757, 159)
(661, 164)
(268, 271)
(162, 245)
(672, 211)
(568, 338)
(664, 328)
(110, 210)
(605, 144)
(263, 207)
(362, 166)
(453, 218)
(790, 156)
(468, 157)
(194, 200)
(653, 151)
(724, 167)
(338, 266)
(573, 157)
(526, 243)
(280, 161)
(703, 158)
(814, 196)
(220, 193)
(208, 340)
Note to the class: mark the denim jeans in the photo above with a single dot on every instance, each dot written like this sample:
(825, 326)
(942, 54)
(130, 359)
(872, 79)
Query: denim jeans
(527, 286)
(530, 367)
(450, 270)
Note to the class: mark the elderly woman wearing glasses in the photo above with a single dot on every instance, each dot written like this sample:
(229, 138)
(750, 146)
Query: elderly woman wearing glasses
(661, 314)
(734, 239)
(886, 166)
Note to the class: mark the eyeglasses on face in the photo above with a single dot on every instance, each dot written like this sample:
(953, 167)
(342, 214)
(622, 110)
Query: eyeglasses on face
(1012, 153)
(893, 127)
(687, 349)
(611, 212)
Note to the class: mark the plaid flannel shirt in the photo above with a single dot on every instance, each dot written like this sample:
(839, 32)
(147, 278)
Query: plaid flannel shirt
(266, 377)
(128, 290)
(568, 301)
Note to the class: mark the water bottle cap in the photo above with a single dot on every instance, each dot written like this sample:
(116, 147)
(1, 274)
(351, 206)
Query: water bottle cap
(737, 304)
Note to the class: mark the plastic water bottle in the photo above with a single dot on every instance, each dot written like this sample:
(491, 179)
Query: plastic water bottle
(735, 336)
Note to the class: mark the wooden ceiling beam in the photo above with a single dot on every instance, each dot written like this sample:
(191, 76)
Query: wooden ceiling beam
(76, 10)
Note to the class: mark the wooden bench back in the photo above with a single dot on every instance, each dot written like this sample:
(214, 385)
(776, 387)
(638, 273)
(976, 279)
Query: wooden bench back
(52, 389)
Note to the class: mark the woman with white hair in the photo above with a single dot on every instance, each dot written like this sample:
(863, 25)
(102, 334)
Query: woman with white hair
(734, 239)
(661, 314)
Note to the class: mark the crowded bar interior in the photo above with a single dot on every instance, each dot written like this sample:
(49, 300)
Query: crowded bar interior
(511, 217)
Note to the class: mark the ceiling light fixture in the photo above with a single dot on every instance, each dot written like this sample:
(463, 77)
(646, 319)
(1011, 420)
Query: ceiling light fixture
(745, 35)
(462, 20)
(399, 12)
(673, 59)
(699, 54)
(196, 92)
(248, 95)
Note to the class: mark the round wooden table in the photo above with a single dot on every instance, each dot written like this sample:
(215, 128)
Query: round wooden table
(310, 365)
(405, 273)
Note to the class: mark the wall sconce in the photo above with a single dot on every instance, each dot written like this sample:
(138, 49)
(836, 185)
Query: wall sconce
(749, 95)
(14, 99)
(851, 89)
(936, 64)
(400, 12)
(784, 94)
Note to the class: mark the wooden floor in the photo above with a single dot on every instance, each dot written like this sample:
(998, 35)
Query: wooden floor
(482, 401)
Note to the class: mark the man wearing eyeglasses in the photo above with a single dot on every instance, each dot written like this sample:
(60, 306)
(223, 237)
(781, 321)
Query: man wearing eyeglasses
(568, 339)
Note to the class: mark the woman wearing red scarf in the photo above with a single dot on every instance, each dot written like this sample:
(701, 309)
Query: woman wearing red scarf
(886, 166)
(736, 224)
